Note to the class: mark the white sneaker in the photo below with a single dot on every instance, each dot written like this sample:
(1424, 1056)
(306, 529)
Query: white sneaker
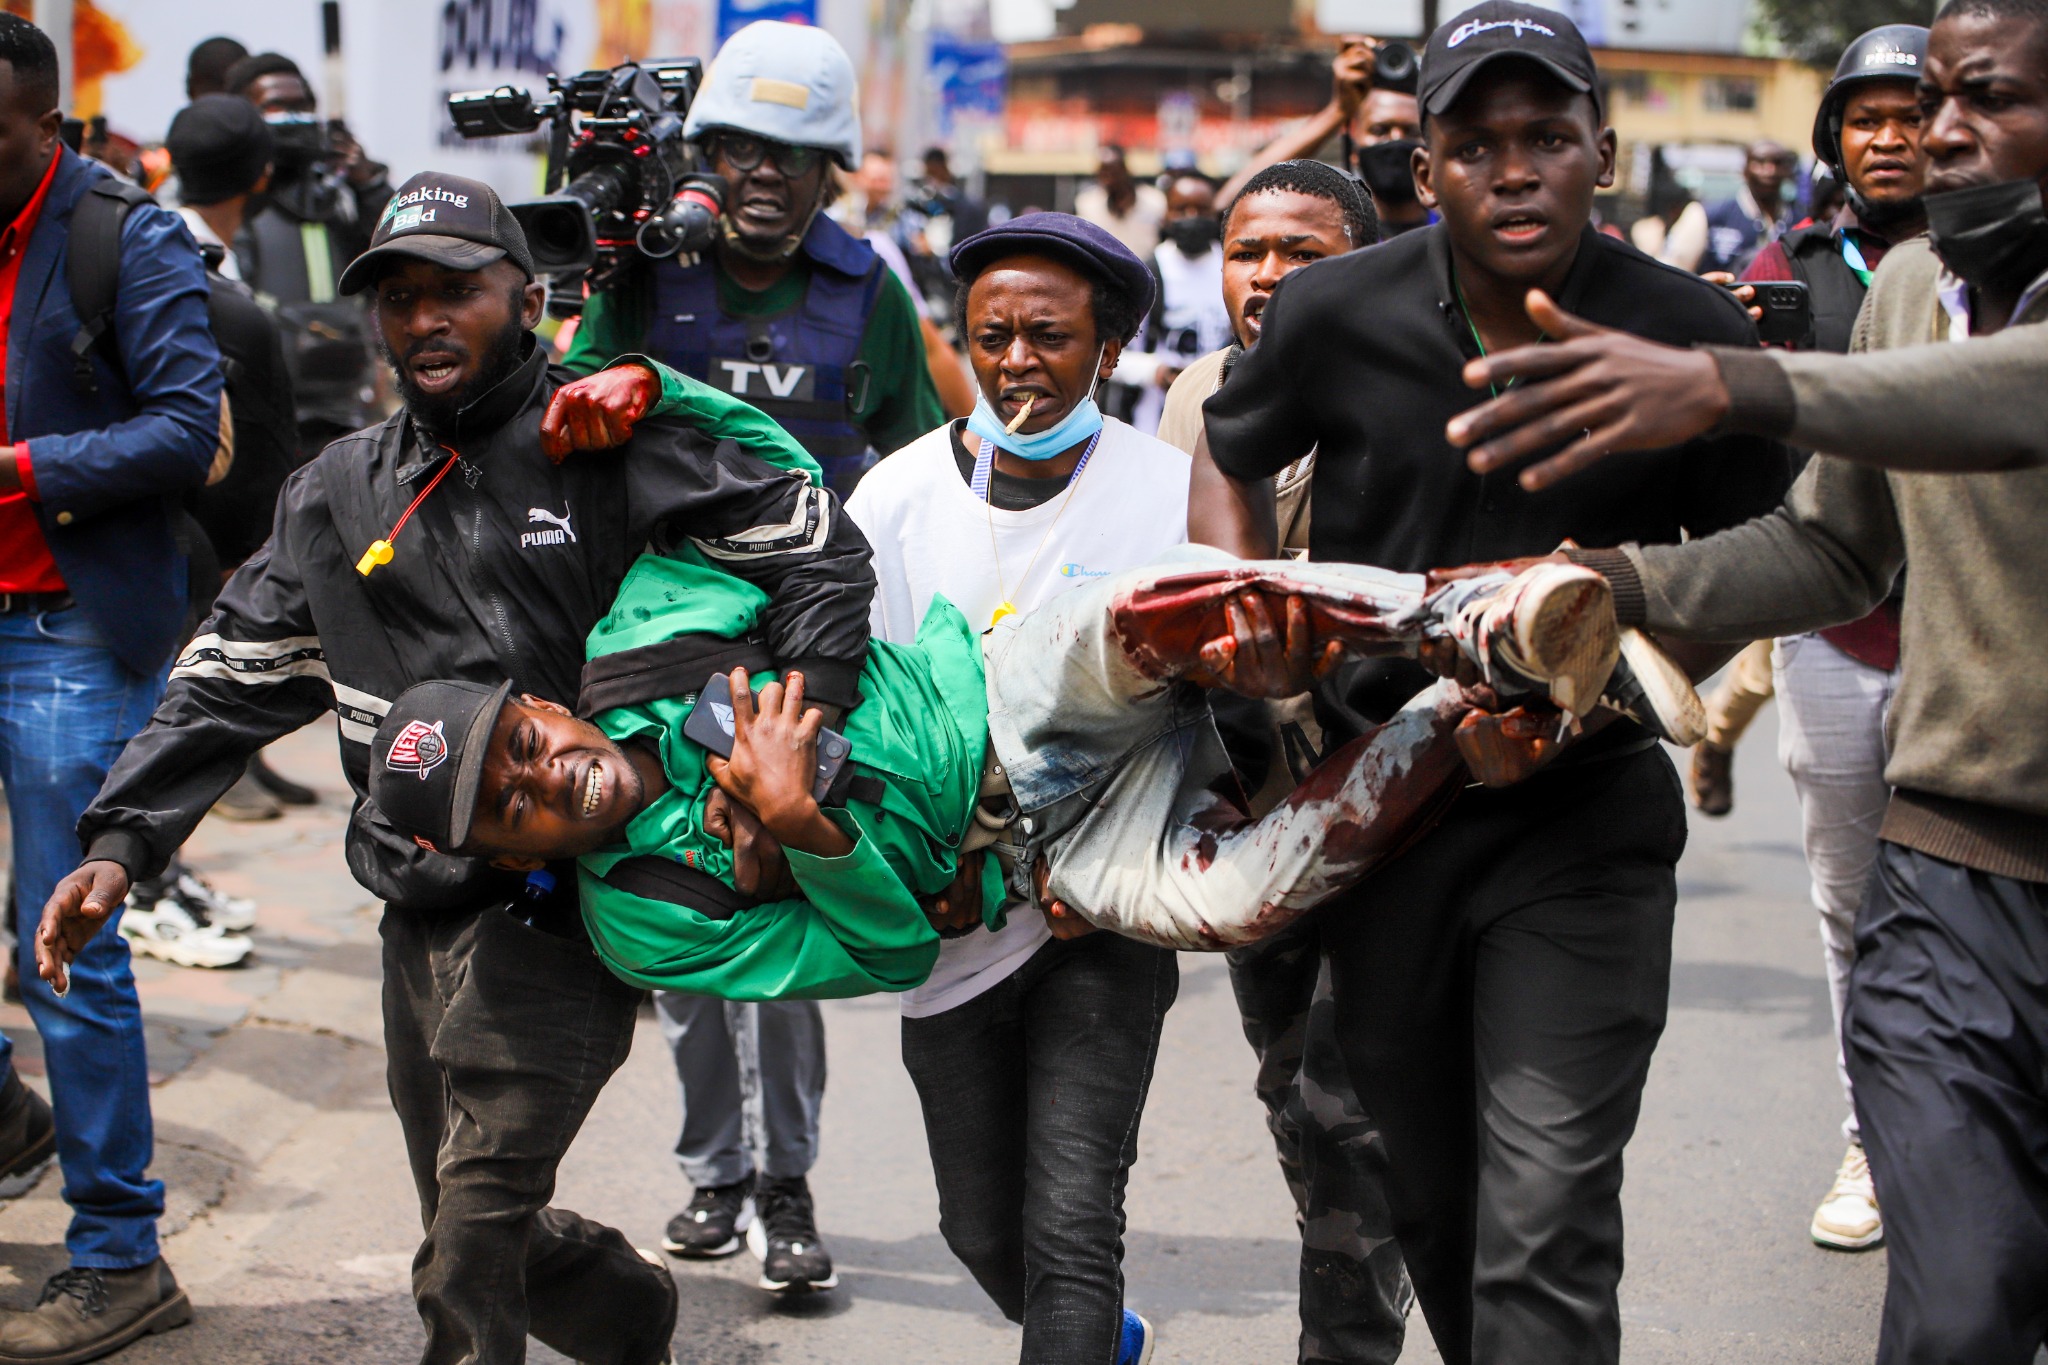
(1550, 628)
(1649, 687)
(166, 929)
(233, 914)
(1847, 1220)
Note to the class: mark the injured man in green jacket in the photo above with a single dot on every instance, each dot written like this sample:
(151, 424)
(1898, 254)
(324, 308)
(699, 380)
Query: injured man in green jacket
(1075, 745)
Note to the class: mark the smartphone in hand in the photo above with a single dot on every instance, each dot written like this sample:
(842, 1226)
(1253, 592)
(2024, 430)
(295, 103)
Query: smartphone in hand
(710, 724)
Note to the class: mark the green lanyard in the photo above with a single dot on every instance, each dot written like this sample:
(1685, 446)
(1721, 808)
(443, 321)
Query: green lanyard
(1473, 328)
(1853, 255)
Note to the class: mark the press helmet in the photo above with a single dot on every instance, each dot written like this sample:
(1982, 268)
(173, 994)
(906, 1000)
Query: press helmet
(789, 83)
(1895, 52)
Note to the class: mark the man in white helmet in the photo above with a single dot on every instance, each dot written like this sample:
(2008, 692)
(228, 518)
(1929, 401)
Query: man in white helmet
(791, 313)
(788, 310)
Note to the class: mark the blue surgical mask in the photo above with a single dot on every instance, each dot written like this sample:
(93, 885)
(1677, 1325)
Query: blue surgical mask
(1081, 422)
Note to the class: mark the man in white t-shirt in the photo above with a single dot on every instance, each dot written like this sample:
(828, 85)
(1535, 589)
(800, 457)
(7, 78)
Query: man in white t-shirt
(1031, 1191)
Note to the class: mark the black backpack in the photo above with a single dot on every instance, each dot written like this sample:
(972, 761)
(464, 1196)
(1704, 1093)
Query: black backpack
(93, 271)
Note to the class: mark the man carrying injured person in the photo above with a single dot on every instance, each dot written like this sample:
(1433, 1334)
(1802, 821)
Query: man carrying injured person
(1091, 708)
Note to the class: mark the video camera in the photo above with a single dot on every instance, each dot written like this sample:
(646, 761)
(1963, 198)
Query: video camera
(618, 172)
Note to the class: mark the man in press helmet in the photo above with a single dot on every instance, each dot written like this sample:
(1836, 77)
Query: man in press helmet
(787, 310)
(796, 316)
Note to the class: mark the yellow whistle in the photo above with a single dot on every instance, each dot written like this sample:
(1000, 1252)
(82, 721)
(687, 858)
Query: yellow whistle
(378, 553)
(1005, 609)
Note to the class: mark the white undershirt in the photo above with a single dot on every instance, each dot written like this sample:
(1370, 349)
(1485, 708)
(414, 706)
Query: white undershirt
(931, 535)
(206, 236)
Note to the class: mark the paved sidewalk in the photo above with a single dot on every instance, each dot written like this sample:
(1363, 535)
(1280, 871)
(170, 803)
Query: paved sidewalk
(292, 1220)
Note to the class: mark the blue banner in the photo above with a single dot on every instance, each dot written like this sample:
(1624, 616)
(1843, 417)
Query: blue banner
(734, 15)
(969, 78)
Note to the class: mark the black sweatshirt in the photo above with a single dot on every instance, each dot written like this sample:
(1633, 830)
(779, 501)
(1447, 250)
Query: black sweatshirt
(500, 574)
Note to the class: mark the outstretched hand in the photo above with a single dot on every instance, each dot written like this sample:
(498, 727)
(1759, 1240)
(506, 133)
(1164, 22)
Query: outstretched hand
(77, 910)
(1592, 390)
(597, 412)
(1257, 659)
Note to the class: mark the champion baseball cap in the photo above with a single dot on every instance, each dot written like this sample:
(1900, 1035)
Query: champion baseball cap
(1501, 29)
(427, 759)
(446, 219)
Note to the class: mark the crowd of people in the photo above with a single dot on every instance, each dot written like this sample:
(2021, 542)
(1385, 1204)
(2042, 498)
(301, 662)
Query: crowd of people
(900, 597)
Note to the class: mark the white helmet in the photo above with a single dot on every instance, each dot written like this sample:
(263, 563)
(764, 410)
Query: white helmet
(790, 83)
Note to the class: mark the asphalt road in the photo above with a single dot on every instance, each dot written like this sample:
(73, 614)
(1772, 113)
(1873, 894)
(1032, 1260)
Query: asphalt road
(292, 1220)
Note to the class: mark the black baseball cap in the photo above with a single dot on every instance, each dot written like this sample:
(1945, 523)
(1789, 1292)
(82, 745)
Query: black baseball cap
(446, 219)
(1500, 29)
(427, 759)
(220, 146)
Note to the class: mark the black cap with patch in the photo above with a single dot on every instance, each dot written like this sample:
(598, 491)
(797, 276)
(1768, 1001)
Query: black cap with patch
(1500, 29)
(446, 219)
(427, 759)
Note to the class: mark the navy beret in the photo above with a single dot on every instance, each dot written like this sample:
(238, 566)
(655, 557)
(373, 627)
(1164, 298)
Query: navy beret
(1077, 241)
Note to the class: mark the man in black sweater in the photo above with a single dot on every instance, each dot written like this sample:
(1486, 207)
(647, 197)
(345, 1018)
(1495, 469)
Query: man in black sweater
(1499, 990)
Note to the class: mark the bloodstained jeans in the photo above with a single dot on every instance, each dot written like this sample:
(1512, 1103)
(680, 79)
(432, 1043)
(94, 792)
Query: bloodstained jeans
(1116, 766)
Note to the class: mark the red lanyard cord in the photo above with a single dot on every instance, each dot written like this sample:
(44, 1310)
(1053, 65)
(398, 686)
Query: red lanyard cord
(380, 551)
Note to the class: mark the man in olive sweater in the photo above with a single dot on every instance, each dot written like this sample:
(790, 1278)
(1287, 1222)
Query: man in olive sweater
(1945, 466)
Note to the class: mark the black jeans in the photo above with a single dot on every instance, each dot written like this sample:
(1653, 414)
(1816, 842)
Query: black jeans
(1947, 1039)
(1499, 991)
(499, 1038)
(1354, 1290)
(1032, 1093)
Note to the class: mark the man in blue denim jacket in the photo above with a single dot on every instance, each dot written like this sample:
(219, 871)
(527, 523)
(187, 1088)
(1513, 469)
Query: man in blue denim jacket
(92, 604)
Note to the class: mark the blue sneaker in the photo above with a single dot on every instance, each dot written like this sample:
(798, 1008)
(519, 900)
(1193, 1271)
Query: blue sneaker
(1136, 1346)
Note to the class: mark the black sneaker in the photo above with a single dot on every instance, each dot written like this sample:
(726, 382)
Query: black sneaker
(28, 1136)
(712, 1224)
(785, 1237)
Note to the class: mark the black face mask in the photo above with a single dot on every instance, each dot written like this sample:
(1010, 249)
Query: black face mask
(1385, 168)
(1194, 236)
(1991, 235)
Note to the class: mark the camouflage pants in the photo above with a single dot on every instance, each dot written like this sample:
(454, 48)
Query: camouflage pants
(1355, 1293)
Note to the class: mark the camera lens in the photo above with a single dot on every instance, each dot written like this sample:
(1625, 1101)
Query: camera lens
(1395, 67)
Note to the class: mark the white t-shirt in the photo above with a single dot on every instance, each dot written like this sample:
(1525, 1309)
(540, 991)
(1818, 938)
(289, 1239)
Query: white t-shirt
(931, 535)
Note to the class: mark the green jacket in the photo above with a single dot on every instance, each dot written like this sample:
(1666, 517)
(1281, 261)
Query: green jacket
(921, 727)
(722, 415)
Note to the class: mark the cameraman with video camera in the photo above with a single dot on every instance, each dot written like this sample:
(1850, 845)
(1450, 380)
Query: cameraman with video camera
(787, 310)
(324, 200)
(1373, 106)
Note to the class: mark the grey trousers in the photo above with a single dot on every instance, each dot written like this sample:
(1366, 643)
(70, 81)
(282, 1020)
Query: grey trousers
(752, 1078)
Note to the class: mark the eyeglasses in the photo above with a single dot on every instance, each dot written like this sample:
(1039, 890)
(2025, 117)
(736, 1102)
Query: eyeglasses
(745, 152)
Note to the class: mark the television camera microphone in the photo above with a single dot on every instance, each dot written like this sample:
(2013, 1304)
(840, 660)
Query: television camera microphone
(618, 174)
